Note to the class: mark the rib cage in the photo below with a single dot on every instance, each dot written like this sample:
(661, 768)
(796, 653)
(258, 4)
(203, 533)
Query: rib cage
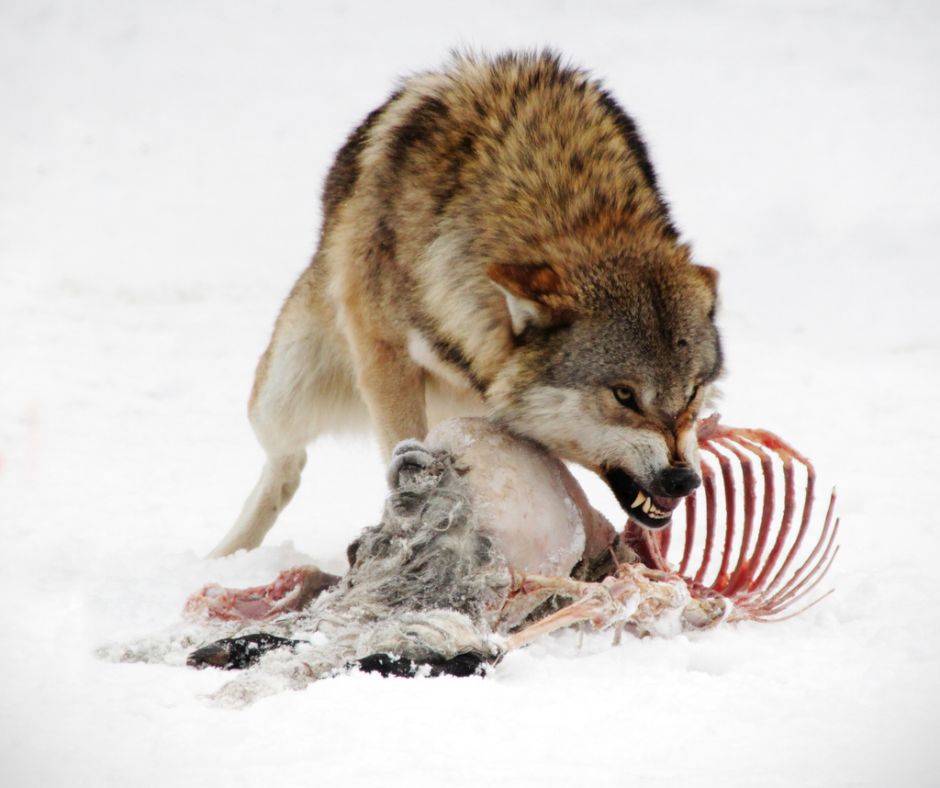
(752, 566)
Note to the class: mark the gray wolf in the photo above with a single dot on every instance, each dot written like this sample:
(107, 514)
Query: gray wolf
(494, 242)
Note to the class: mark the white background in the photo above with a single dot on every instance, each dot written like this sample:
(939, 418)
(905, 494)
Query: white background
(160, 169)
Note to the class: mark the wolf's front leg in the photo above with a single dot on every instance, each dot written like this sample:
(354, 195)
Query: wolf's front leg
(389, 381)
(395, 397)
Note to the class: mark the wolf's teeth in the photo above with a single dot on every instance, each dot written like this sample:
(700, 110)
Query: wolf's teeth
(646, 505)
(638, 500)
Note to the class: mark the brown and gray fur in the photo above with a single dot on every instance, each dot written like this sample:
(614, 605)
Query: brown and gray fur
(493, 241)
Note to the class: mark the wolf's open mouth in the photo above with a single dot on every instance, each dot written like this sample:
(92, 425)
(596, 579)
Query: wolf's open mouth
(652, 511)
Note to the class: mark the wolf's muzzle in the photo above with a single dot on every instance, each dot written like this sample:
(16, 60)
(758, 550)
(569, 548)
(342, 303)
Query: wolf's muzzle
(652, 508)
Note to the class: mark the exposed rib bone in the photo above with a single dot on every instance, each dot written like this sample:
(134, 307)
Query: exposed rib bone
(689, 532)
(708, 479)
(663, 540)
(767, 511)
(804, 522)
(740, 573)
(789, 497)
(795, 581)
(727, 477)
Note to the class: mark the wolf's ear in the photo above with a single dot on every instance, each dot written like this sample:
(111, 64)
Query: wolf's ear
(709, 276)
(531, 291)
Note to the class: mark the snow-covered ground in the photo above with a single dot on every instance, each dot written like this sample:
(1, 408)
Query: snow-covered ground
(160, 166)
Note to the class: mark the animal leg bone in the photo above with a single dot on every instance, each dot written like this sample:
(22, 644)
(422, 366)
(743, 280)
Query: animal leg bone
(645, 600)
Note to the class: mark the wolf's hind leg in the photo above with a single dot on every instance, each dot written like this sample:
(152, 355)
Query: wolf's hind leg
(304, 387)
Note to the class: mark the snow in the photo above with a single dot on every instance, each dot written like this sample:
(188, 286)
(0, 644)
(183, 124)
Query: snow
(159, 182)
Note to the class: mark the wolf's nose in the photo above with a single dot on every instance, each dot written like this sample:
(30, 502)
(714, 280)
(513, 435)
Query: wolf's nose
(676, 482)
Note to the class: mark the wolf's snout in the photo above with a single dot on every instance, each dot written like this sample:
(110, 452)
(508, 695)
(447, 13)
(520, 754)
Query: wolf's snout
(677, 482)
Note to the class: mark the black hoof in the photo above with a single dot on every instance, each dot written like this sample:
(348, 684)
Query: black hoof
(237, 653)
(468, 664)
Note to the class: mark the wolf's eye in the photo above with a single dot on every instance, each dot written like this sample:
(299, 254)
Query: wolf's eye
(625, 397)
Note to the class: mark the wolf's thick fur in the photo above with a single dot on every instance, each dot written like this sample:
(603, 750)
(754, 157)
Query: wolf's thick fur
(494, 241)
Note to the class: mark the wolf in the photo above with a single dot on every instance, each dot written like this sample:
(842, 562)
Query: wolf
(494, 241)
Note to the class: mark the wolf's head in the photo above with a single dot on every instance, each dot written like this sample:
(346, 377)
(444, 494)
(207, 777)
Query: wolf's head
(612, 364)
